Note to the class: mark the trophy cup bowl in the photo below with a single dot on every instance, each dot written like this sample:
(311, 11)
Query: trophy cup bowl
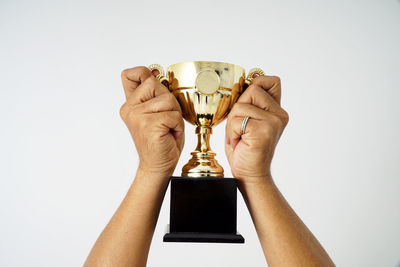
(206, 92)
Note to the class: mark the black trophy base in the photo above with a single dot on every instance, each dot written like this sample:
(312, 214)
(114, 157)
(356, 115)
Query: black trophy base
(203, 237)
(203, 210)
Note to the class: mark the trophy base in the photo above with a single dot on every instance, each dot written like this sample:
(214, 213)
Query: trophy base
(203, 210)
(203, 237)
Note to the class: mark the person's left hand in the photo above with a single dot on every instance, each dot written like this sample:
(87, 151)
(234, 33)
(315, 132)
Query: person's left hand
(250, 154)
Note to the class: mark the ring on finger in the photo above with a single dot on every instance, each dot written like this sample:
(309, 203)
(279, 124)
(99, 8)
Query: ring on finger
(244, 124)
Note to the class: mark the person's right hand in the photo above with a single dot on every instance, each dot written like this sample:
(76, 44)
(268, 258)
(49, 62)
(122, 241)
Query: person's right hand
(154, 119)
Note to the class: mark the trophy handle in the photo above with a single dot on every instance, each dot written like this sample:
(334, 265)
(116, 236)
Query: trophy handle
(253, 73)
(161, 75)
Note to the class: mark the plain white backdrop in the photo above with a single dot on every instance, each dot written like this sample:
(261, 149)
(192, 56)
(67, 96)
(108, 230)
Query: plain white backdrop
(67, 160)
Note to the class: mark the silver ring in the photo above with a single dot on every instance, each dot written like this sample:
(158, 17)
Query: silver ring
(244, 123)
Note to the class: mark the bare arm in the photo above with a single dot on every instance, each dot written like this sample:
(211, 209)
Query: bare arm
(154, 119)
(285, 240)
(126, 239)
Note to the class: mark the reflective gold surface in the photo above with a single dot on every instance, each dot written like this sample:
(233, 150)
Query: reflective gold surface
(206, 92)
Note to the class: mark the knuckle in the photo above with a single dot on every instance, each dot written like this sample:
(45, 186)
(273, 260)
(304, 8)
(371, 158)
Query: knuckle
(256, 91)
(170, 98)
(124, 73)
(181, 122)
(285, 117)
(234, 110)
(168, 102)
(174, 102)
(238, 109)
(252, 89)
(123, 111)
(237, 122)
(276, 79)
(151, 81)
(176, 115)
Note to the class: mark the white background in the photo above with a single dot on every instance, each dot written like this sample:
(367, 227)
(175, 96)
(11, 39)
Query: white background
(67, 160)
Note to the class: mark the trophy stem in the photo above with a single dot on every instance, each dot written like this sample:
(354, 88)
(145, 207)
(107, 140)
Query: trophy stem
(203, 139)
(203, 163)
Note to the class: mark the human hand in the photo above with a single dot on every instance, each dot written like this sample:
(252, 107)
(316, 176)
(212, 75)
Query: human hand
(250, 154)
(154, 119)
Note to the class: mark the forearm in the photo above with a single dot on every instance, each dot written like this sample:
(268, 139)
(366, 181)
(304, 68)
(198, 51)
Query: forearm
(285, 239)
(126, 239)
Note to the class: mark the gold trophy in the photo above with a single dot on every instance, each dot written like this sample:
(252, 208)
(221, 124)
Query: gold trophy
(203, 206)
(206, 92)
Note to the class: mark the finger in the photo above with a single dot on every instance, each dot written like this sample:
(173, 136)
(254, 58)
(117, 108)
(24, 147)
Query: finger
(132, 78)
(257, 96)
(271, 84)
(163, 102)
(234, 129)
(242, 110)
(174, 121)
(253, 129)
(149, 89)
(170, 122)
(232, 137)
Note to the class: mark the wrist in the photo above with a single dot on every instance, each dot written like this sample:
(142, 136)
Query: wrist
(254, 180)
(148, 170)
(152, 177)
(249, 186)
